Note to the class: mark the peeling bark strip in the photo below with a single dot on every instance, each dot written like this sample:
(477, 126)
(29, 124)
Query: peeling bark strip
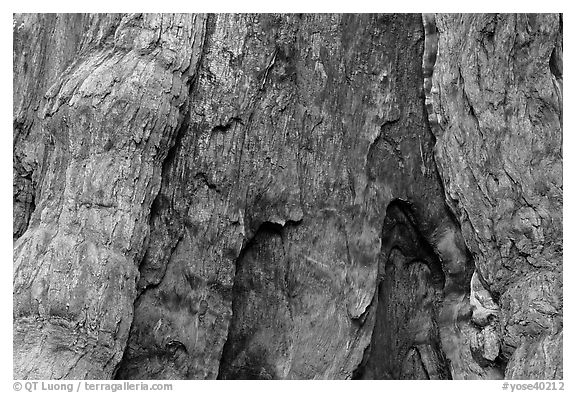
(256, 196)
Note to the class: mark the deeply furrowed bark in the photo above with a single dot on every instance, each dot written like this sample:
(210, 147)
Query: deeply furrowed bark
(498, 96)
(107, 122)
(257, 196)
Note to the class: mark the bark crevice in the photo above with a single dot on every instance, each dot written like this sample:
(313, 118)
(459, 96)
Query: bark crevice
(407, 304)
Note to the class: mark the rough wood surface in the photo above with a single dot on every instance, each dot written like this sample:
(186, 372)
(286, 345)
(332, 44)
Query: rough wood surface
(498, 96)
(263, 196)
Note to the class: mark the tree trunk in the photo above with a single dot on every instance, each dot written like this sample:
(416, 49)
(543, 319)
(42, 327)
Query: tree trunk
(267, 196)
(498, 96)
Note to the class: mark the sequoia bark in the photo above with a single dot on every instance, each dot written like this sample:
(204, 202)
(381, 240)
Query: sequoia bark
(257, 196)
(498, 98)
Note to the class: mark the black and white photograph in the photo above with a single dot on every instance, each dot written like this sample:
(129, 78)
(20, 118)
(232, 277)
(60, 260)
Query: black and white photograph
(287, 196)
